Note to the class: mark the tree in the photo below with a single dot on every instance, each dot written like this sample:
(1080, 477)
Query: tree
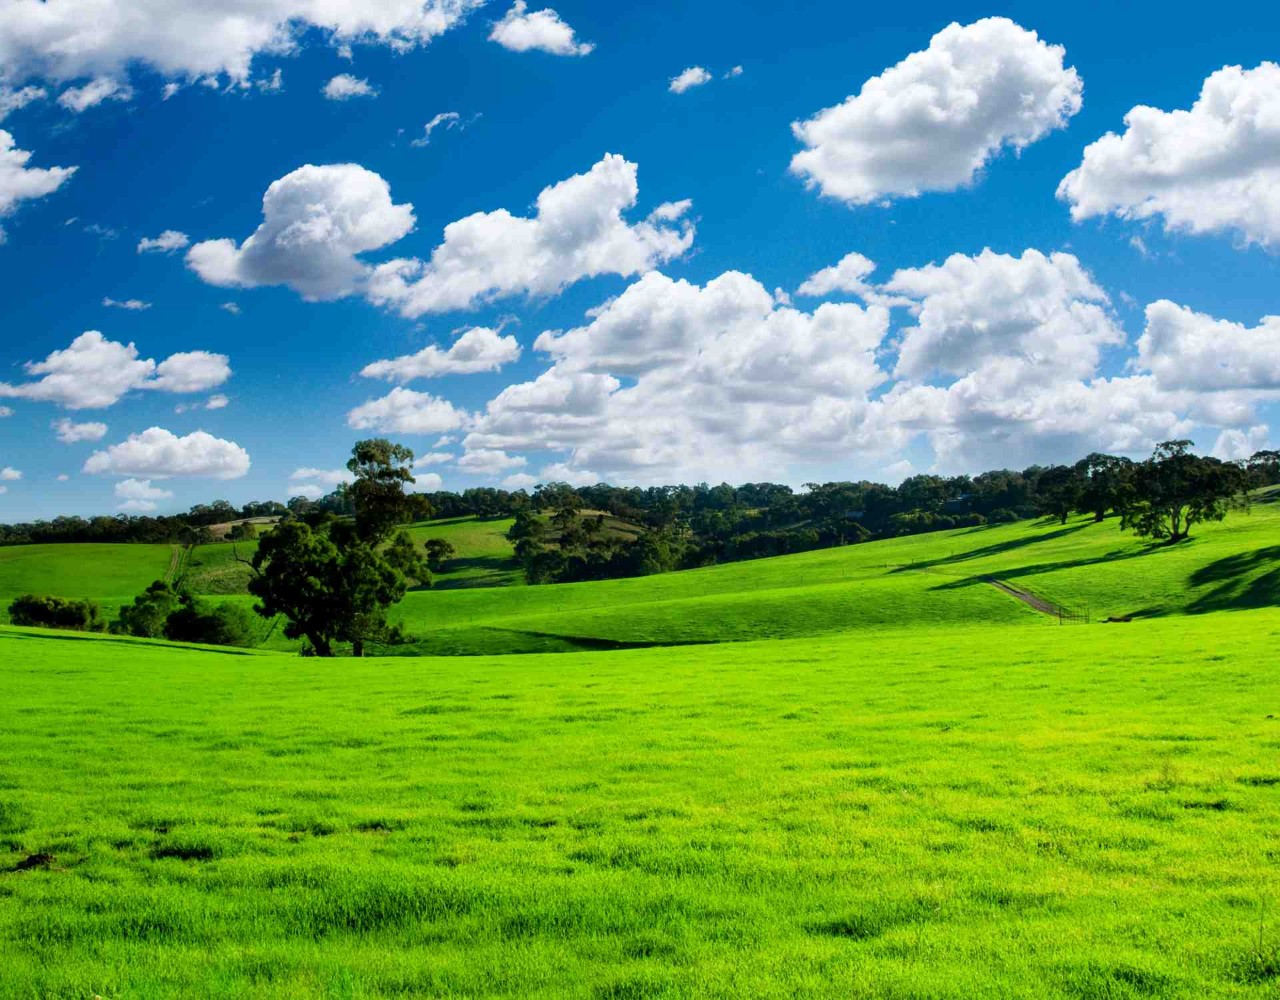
(244, 531)
(218, 625)
(327, 582)
(1106, 484)
(381, 470)
(1175, 489)
(56, 612)
(405, 557)
(149, 613)
(1058, 490)
(438, 552)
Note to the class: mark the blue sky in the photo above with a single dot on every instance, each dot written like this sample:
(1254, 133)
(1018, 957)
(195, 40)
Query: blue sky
(712, 367)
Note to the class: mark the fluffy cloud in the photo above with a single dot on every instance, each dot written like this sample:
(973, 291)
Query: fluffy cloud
(344, 87)
(158, 454)
(723, 379)
(520, 481)
(132, 305)
(329, 477)
(1044, 309)
(93, 93)
(139, 495)
(403, 411)
(541, 30)
(6, 411)
(9, 474)
(19, 183)
(489, 462)
(577, 232)
(995, 361)
(71, 433)
(934, 120)
(1214, 168)
(94, 372)
(1235, 444)
(849, 275)
(190, 39)
(315, 221)
(312, 491)
(1189, 350)
(479, 349)
(432, 458)
(694, 76)
(426, 482)
(167, 242)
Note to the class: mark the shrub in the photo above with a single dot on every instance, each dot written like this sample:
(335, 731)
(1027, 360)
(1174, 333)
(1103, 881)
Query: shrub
(56, 612)
(216, 625)
(150, 610)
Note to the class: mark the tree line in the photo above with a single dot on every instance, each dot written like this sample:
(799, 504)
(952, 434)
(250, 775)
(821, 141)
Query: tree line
(685, 527)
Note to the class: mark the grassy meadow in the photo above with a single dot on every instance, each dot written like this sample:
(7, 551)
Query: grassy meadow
(110, 574)
(1066, 812)
(900, 782)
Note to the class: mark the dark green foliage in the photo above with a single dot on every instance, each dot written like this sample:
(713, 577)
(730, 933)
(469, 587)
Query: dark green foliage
(1106, 484)
(213, 625)
(381, 469)
(149, 613)
(1060, 489)
(1175, 489)
(245, 531)
(56, 612)
(405, 557)
(439, 552)
(329, 584)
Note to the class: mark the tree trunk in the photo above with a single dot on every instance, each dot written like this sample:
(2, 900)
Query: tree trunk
(1099, 516)
(321, 645)
(357, 647)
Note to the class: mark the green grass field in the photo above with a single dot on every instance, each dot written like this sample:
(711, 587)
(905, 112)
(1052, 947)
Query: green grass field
(484, 556)
(109, 574)
(1057, 812)
(900, 783)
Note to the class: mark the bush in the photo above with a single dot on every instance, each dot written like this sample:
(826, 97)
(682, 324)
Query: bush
(216, 625)
(56, 612)
(150, 610)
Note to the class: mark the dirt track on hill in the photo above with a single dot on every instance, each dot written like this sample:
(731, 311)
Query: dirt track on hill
(1041, 605)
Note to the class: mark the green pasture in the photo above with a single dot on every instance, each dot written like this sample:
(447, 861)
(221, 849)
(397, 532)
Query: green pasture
(959, 812)
(109, 574)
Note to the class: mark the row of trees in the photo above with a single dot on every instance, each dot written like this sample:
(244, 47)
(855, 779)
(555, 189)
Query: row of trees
(684, 527)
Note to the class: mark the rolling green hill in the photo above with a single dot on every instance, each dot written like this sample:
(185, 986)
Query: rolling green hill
(955, 812)
(109, 574)
(915, 582)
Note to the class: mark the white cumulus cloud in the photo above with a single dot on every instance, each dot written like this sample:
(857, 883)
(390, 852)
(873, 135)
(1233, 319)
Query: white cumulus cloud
(19, 182)
(316, 220)
(1184, 349)
(522, 30)
(188, 40)
(578, 232)
(694, 76)
(70, 432)
(934, 120)
(344, 87)
(167, 242)
(1212, 169)
(94, 373)
(489, 462)
(404, 411)
(478, 349)
(139, 495)
(159, 454)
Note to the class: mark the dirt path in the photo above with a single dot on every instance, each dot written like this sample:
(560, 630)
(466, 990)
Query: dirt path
(1041, 605)
(175, 560)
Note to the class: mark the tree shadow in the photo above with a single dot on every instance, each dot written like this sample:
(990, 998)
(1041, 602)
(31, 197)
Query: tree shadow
(1012, 545)
(1231, 590)
(485, 567)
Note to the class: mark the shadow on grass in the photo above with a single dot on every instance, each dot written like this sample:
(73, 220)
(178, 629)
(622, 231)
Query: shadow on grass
(1234, 585)
(1013, 545)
